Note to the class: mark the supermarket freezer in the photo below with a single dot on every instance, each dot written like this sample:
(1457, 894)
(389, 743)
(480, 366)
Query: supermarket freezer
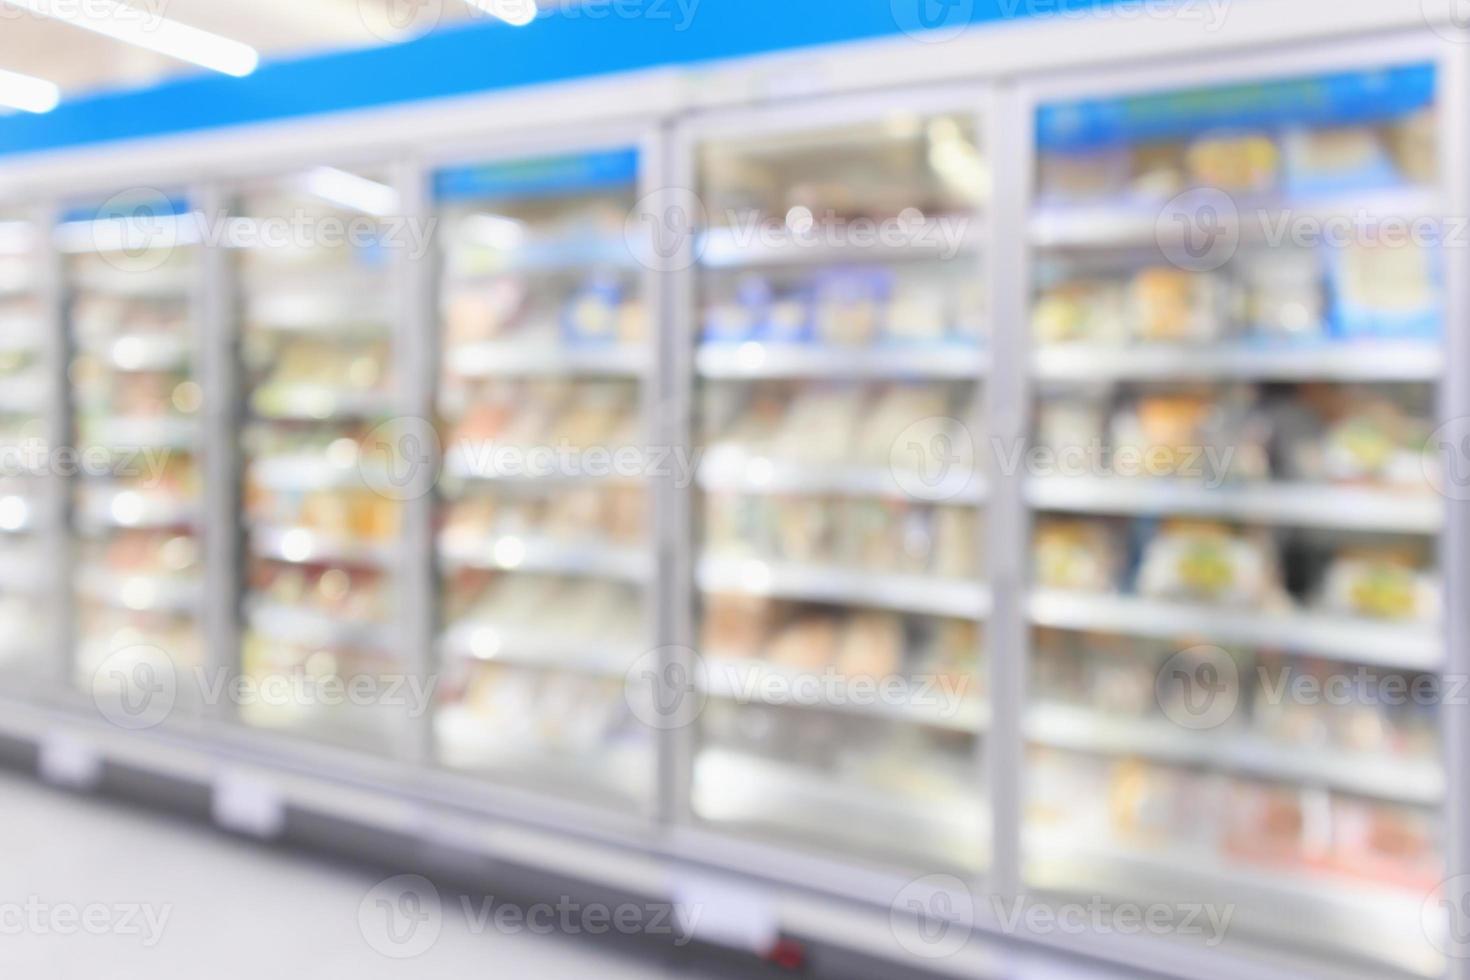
(834, 336)
(1238, 312)
(1130, 759)
(546, 525)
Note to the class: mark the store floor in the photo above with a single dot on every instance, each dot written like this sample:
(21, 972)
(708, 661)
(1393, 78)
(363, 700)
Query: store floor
(94, 889)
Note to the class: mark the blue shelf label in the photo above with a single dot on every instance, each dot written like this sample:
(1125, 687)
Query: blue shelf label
(538, 176)
(130, 205)
(1321, 100)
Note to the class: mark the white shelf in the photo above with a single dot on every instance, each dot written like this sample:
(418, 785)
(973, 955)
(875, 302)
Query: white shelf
(165, 283)
(111, 508)
(324, 312)
(731, 469)
(20, 332)
(539, 649)
(1060, 726)
(312, 402)
(500, 359)
(1361, 916)
(535, 553)
(1406, 646)
(1147, 223)
(310, 628)
(569, 254)
(299, 545)
(746, 681)
(754, 359)
(144, 593)
(18, 574)
(477, 462)
(165, 432)
(24, 394)
(925, 595)
(740, 789)
(1346, 361)
(162, 351)
(1297, 504)
(733, 248)
(303, 472)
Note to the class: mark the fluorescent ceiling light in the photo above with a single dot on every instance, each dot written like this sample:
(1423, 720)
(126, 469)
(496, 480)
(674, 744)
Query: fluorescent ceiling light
(25, 92)
(351, 191)
(150, 30)
(516, 12)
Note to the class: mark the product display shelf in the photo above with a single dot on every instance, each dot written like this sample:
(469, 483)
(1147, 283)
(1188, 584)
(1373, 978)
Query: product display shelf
(913, 238)
(316, 316)
(763, 796)
(927, 702)
(753, 359)
(735, 469)
(547, 555)
(838, 338)
(925, 595)
(544, 546)
(1208, 272)
(133, 305)
(1411, 510)
(507, 359)
(1407, 780)
(27, 603)
(1364, 922)
(1246, 216)
(1356, 360)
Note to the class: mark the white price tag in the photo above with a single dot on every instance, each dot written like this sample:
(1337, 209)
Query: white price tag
(725, 912)
(248, 804)
(65, 760)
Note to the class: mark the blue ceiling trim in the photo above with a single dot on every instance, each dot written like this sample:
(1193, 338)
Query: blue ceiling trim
(603, 37)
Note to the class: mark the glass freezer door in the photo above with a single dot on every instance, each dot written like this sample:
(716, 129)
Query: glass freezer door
(132, 302)
(316, 255)
(1237, 321)
(840, 329)
(545, 547)
(26, 603)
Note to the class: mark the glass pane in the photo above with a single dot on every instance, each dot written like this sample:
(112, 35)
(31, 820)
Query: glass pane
(26, 605)
(841, 316)
(1237, 311)
(131, 279)
(544, 539)
(316, 254)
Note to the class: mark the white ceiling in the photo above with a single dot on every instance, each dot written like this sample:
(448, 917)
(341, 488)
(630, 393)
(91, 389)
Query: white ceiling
(79, 60)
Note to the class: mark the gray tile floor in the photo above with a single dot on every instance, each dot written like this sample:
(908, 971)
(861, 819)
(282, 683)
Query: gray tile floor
(91, 889)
